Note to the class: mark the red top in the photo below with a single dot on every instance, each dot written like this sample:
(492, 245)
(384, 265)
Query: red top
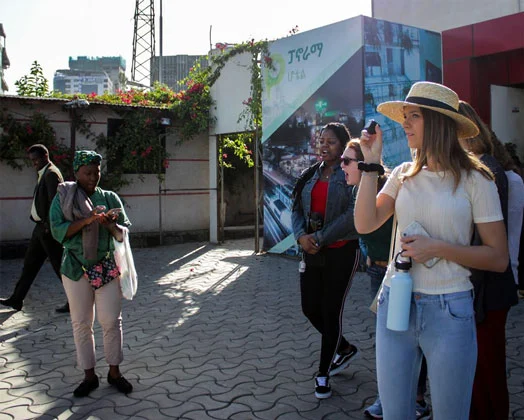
(318, 205)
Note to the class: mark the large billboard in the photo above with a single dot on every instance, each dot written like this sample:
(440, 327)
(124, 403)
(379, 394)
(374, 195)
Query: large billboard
(339, 72)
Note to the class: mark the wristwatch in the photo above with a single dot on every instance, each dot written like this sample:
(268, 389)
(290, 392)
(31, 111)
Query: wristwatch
(371, 167)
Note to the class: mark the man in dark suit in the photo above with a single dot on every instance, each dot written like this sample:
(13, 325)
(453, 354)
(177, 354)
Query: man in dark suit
(42, 244)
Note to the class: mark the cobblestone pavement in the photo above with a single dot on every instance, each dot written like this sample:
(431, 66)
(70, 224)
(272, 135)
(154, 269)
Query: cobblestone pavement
(215, 332)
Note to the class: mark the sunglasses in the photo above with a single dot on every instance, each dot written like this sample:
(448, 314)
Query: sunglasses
(347, 160)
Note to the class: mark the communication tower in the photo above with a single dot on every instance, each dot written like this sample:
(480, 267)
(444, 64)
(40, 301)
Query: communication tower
(143, 42)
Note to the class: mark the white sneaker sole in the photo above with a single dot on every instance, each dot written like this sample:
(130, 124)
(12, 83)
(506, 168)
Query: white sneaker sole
(373, 416)
(323, 396)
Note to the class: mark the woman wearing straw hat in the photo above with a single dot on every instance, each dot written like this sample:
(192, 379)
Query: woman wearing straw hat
(446, 191)
(85, 219)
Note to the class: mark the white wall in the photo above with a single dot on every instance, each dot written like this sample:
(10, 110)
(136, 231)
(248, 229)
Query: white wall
(440, 15)
(183, 209)
(232, 87)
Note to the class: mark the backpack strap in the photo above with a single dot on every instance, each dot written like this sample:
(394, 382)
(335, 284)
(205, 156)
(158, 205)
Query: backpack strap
(301, 182)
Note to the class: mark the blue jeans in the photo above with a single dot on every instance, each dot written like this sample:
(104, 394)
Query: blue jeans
(442, 328)
(376, 275)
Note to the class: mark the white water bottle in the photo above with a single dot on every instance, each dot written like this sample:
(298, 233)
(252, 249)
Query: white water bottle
(400, 290)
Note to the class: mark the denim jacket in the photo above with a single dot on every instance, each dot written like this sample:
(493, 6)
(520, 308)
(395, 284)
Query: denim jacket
(338, 221)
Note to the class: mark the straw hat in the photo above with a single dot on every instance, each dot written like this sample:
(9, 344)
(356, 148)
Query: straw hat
(432, 96)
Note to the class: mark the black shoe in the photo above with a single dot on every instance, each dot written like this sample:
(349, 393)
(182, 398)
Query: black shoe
(85, 388)
(63, 309)
(120, 383)
(322, 387)
(342, 361)
(12, 303)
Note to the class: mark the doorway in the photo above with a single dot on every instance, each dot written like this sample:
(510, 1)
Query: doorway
(507, 115)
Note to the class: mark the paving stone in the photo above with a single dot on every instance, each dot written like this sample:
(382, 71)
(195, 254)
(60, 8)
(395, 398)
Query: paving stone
(181, 410)
(214, 332)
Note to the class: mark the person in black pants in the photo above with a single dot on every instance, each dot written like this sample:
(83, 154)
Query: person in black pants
(42, 244)
(323, 226)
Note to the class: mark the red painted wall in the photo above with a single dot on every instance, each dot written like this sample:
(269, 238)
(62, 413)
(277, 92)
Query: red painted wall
(479, 55)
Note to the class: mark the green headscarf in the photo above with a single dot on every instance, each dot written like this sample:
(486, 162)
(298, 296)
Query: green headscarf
(86, 157)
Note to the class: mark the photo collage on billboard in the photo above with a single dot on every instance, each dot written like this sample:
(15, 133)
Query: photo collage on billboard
(293, 147)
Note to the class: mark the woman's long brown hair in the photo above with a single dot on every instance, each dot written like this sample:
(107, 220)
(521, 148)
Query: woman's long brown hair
(442, 147)
(482, 143)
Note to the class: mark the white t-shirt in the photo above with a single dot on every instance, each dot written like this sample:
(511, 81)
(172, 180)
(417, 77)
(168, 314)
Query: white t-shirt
(429, 199)
(515, 210)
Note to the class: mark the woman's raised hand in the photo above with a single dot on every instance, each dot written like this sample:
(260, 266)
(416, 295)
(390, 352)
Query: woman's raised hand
(97, 215)
(371, 145)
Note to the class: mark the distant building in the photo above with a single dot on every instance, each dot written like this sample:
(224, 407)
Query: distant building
(79, 81)
(175, 68)
(91, 74)
(4, 60)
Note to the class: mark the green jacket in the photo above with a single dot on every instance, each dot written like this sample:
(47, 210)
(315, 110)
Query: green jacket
(73, 245)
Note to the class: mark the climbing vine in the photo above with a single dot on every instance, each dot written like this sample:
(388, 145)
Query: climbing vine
(18, 136)
(241, 145)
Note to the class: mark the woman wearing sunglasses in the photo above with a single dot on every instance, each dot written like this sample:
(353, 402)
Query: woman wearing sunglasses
(377, 245)
(323, 226)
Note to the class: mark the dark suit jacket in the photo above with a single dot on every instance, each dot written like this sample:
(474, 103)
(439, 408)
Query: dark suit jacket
(45, 191)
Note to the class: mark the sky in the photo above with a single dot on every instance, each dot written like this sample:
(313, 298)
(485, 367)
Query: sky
(50, 31)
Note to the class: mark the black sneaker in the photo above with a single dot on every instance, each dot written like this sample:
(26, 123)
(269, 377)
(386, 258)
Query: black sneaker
(322, 387)
(342, 361)
(422, 410)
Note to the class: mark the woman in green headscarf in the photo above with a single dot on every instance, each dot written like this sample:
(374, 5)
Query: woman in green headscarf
(85, 219)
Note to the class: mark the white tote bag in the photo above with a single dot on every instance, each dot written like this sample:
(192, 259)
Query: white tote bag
(126, 264)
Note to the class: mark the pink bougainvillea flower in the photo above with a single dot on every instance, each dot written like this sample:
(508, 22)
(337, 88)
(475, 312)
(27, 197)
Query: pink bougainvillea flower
(133, 152)
(166, 163)
(224, 155)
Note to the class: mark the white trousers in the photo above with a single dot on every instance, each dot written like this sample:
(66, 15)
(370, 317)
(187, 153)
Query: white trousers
(108, 303)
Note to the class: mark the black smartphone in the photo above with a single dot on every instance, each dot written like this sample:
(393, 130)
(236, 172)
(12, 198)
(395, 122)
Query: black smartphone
(371, 127)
